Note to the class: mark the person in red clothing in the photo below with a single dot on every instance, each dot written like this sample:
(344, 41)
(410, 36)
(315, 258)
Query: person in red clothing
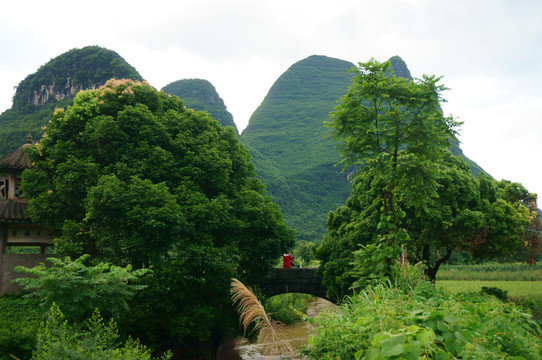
(288, 261)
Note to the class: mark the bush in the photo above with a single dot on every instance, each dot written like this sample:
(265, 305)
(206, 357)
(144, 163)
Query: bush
(287, 308)
(383, 322)
(95, 340)
(500, 294)
(19, 323)
(78, 289)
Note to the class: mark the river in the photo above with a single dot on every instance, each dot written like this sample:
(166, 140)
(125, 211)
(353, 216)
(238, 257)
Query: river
(297, 335)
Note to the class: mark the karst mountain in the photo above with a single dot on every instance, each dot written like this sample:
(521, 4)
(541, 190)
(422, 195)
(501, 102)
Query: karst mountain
(201, 95)
(55, 84)
(286, 135)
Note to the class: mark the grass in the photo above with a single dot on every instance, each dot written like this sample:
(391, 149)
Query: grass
(514, 288)
(525, 293)
(491, 272)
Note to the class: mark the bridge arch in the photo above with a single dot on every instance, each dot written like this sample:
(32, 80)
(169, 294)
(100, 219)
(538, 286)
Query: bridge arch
(294, 280)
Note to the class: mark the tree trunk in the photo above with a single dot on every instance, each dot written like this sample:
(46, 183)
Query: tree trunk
(432, 271)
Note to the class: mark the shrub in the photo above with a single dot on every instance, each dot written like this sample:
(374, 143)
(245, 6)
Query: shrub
(78, 289)
(95, 340)
(19, 323)
(287, 308)
(495, 291)
(383, 322)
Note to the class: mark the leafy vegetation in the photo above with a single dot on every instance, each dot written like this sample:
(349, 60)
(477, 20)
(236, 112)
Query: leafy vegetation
(412, 195)
(55, 85)
(288, 308)
(305, 253)
(93, 340)
(132, 177)
(384, 322)
(201, 95)
(78, 289)
(395, 130)
(19, 323)
(289, 145)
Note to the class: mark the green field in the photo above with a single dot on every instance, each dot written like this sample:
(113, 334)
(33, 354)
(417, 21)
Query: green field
(491, 272)
(515, 288)
(526, 293)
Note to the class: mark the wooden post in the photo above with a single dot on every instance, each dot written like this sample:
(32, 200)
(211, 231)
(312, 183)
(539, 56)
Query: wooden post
(3, 238)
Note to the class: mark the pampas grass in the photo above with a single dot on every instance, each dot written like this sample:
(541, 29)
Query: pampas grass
(250, 310)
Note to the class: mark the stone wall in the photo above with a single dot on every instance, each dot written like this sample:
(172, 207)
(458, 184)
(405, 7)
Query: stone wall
(8, 262)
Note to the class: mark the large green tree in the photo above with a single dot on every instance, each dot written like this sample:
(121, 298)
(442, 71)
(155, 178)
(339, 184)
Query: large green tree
(486, 217)
(480, 215)
(395, 128)
(394, 131)
(130, 176)
(410, 192)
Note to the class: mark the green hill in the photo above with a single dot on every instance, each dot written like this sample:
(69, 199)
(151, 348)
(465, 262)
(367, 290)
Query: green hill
(55, 84)
(201, 95)
(287, 139)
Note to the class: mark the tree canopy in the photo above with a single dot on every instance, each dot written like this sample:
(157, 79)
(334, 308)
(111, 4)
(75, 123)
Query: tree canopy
(394, 127)
(410, 193)
(130, 176)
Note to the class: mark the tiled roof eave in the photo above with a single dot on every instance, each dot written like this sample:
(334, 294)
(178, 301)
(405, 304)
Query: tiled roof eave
(13, 210)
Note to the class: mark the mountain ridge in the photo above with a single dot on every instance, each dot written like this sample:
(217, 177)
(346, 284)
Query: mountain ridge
(285, 135)
(55, 84)
(289, 142)
(201, 95)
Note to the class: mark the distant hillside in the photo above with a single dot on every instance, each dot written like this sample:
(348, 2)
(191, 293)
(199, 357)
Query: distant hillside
(287, 140)
(400, 69)
(54, 85)
(286, 137)
(199, 94)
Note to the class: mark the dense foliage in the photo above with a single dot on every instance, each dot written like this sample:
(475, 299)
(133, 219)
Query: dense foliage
(201, 95)
(411, 193)
(78, 289)
(288, 308)
(55, 84)
(304, 252)
(130, 176)
(19, 323)
(395, 130)
(288, 142)
(93, 340)
(385, 322)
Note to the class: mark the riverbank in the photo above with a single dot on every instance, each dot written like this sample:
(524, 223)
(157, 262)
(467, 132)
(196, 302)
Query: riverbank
(296, 334)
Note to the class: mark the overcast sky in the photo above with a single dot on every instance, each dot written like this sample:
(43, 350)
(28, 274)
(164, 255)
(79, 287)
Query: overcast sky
(488, 52)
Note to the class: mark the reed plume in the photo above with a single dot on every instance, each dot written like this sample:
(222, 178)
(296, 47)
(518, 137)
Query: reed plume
(251, 310)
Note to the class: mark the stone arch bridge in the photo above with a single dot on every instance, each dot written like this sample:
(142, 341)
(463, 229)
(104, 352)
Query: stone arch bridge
(294, 280)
